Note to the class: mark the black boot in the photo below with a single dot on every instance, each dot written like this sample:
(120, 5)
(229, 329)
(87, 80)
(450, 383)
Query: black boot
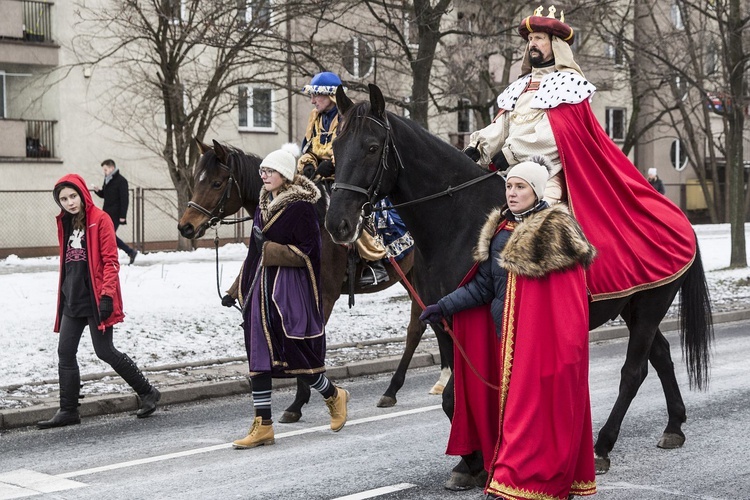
(70, 387)
(127, 369)
(148, 403)
(373, 273)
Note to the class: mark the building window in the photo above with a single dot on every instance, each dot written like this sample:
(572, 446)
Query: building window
(255, 13)
(678, 155)
(614, 50)
(411, 30)
(465, 21)
(255, 108)
(711, 59)
(615, 125)
(358, 57)
(675, 14)
(2, 95)
(174, 10)
(465, 116)
(680, 88)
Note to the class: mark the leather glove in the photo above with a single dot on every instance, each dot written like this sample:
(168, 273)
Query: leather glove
(228, 301)
(431, 314)
(472, 153)
(105, 308)
(500, 162)
(259, 238)
(308, 170)
(325, 168)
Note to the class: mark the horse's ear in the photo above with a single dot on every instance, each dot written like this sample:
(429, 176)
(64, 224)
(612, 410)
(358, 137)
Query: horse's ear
(342, 100)
(202, 147)
(377, 101)
(220, 152)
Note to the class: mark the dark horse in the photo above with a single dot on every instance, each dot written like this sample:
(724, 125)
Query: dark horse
(225, 180)
(381, 154)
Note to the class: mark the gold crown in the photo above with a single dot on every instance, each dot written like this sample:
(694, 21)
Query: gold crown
(551, 10)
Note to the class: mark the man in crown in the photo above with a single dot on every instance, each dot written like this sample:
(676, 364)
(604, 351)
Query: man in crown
(547, 111)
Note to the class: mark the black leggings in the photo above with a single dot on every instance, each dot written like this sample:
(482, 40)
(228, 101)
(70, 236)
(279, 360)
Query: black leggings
(71, 330)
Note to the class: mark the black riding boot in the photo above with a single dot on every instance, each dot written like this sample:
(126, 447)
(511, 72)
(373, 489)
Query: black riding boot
(70, 387)
(373, 273)
(149, 395)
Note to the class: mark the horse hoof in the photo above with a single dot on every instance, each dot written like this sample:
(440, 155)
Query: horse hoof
(289, 417)
(671, 441)
(460, 481)
(601, 464)
(386, 402)
(437, 389)
(480, 479)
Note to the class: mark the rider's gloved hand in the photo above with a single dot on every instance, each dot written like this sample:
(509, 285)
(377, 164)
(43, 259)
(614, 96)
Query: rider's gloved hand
(431, 314)
(325, 168)
(228, 301)
(500, 162)
(308, 170)
(472, 153)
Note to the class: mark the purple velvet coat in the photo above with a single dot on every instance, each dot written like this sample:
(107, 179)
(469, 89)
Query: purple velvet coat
(282, 306)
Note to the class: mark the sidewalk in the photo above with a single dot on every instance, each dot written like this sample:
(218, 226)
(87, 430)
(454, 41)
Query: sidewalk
(106, 393)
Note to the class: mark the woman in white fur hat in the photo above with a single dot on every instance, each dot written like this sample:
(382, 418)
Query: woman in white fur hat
(535, 432)
(280, 296)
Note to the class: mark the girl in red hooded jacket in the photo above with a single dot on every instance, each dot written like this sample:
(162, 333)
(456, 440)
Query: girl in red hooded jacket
(88, 294)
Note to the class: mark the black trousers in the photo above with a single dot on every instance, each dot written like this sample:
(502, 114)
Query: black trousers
(121, 244)
(71, 330)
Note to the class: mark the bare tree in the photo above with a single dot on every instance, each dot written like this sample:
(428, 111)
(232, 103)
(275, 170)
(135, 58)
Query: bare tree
(179, 64)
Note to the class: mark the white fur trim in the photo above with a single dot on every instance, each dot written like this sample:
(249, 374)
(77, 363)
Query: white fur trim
(559, 87)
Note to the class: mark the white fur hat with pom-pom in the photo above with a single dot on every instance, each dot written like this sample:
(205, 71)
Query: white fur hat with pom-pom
(283, 160)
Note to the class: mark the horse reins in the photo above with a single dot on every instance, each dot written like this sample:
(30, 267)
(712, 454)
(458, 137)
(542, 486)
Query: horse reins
(368, 209)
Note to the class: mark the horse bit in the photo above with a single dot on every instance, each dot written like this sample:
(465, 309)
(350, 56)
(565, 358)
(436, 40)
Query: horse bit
(215, 216)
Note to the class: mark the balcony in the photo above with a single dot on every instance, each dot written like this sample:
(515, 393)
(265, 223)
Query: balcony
(27, 139)
(26, 33)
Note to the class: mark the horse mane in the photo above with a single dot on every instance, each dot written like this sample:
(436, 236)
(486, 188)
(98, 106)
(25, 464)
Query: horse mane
(362, 109)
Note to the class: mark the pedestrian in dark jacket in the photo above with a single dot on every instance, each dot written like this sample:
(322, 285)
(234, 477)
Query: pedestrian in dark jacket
(280, 296)
(88, 295)
(654, 180)
(116, 199)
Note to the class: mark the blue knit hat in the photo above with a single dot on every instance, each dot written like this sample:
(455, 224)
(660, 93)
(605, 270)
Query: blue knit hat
(324, 83)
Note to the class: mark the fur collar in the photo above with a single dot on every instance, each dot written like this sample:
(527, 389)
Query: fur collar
(301, 189)
(549, 240)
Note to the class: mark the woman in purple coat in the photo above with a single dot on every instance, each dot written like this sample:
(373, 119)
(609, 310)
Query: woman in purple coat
(280, 296)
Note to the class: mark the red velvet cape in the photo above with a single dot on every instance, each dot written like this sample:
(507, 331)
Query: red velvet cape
(642, 239)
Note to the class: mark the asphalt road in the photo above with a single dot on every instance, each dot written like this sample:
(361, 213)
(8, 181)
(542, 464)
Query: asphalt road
(183, 451)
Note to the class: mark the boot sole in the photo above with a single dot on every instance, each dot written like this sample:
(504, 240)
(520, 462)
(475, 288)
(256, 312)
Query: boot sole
(246, 447)
(52, 426)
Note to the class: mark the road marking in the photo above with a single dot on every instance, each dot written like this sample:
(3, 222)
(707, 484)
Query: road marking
(377, 492)
(208, 449)
(25, 483)
(622, 485)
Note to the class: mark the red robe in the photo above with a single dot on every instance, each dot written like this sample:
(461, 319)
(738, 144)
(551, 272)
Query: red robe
(643, 240)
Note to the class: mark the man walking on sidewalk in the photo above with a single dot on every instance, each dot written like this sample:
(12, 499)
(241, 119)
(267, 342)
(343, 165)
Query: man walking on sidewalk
(116, 199)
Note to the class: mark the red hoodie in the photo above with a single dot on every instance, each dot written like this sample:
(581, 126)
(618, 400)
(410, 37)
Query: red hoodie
(101, 254)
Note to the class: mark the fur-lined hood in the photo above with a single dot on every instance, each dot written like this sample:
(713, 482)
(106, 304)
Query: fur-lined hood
(300, 189)
(549, 240)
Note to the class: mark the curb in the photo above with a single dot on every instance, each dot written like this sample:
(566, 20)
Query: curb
(118, 403)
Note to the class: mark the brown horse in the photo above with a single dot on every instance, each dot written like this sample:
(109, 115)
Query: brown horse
(225, 180)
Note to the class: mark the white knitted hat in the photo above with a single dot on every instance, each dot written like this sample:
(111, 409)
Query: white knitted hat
(652, 171)
(282, 161)
(535, 172)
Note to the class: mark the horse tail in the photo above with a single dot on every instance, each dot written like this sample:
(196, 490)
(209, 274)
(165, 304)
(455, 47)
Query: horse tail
(696, 323)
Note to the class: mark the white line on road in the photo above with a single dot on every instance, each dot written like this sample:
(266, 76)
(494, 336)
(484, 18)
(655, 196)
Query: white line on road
(208, 449)
(377, 492)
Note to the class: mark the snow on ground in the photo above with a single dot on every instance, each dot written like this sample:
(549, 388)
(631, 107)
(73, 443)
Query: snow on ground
(173, 311)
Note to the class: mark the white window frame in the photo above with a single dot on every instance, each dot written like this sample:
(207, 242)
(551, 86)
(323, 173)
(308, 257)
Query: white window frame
(408, 27)
(356, 42)
(674, 155)
(250, 6)
(183, 13)
(250, 126)
(681, 88)
(4, 100)
(470, 127)
(675, 15)
(610, 122)
(614, 50)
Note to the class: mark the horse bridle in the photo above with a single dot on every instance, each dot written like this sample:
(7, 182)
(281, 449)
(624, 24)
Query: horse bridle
(215, 216)
(368, 208)
(372, 193)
